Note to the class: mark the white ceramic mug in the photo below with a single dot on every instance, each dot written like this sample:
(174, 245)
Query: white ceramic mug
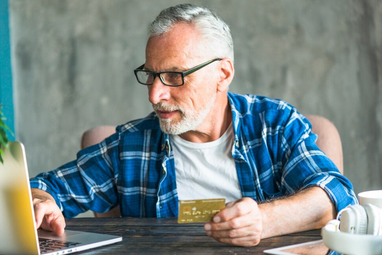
(373, 197)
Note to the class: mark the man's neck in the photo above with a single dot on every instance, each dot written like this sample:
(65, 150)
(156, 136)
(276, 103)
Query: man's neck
(216, 123)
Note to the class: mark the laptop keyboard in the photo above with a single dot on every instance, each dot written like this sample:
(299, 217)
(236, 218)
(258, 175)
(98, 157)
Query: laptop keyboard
(49, 245)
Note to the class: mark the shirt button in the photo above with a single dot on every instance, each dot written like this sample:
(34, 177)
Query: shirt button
(237, 144)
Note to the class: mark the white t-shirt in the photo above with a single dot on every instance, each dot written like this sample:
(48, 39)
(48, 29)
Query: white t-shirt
(206, 170)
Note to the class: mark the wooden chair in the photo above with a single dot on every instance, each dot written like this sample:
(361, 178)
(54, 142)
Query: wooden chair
(328, 141)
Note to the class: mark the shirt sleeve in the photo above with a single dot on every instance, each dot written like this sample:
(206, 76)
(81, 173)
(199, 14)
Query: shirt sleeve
(307, 166)
(87, 183)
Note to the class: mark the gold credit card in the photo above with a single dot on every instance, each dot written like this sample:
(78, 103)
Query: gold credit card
(199, 210)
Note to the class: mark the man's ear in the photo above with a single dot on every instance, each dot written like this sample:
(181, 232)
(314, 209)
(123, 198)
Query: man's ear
(226, 73)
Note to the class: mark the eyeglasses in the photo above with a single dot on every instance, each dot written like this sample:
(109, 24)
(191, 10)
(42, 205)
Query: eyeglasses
(172, 79)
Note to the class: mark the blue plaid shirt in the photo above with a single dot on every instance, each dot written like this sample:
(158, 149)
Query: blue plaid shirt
(274, 151)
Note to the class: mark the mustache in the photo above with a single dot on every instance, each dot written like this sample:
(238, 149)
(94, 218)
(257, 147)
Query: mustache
(166, 107)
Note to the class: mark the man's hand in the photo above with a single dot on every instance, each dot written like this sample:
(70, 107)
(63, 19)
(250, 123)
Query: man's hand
(244, 222)
(48, 215)
(240, 223)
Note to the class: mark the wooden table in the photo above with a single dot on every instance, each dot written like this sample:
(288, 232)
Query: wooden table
(166, 236)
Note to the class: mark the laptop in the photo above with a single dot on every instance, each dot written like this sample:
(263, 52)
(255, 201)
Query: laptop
(18, 233)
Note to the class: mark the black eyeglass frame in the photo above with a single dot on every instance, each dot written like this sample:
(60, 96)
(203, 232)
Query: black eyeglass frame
(183, 74)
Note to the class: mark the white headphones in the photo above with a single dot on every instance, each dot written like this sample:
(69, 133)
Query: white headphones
(359, 230)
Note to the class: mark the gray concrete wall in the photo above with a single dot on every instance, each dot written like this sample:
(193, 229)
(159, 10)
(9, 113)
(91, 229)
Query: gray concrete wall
(73, 67)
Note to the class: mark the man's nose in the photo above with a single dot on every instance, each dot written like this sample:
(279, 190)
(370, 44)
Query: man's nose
(158, 91)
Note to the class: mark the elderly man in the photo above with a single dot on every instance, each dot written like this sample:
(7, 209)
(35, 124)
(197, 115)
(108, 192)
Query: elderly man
(201, 141)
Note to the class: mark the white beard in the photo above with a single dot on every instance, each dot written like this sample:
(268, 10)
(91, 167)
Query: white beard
(188, 122)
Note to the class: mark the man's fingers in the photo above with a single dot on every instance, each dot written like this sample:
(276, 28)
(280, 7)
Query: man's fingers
(54, 223)
(235, 209)
(49, 217)
(235, 223)
(39, 213)
(246, 236)
(247, 241)
(240, 223)
(58, 226)
(233, 233)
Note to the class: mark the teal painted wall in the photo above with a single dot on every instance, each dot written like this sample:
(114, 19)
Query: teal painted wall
(6, 90)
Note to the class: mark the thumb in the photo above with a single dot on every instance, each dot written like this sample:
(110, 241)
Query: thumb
(230, 204)
(226, 213)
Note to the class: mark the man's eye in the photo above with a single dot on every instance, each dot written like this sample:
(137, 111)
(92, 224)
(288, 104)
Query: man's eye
(146, 76)
(173, 77)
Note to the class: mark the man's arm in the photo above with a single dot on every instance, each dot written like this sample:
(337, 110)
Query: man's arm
(306, 210)
(75, 186)
(48, 215)
(244, 222)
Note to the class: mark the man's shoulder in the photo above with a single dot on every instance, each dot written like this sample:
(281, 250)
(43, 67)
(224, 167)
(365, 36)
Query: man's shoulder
(254, 104)
(259, 115)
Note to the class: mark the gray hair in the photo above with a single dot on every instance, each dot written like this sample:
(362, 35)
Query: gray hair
(213, 29)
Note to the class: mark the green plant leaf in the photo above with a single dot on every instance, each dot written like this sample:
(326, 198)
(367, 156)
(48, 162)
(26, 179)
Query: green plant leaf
(1, 156)
(3, 134)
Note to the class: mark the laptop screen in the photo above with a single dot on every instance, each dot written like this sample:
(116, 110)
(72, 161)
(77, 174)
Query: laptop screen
(18, 233)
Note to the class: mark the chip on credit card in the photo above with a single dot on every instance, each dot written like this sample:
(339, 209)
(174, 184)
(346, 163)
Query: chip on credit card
(199, 210)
